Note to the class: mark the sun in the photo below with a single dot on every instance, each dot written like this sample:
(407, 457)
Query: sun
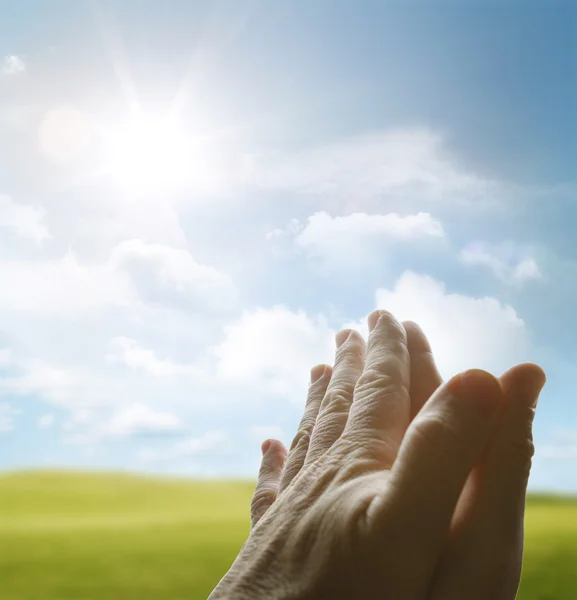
(149, 154)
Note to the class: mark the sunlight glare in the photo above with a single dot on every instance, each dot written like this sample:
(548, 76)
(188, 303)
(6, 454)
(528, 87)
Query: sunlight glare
(150, 154)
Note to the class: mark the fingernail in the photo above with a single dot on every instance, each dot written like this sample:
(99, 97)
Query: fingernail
(317, 372)
(265, 446)
(342, 336)
(373, 319)
(477, 388)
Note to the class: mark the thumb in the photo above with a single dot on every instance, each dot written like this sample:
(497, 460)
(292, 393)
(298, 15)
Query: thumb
(440, 448)
(485, 555)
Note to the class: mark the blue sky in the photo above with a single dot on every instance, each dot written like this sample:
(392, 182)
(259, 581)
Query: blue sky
(195, 196)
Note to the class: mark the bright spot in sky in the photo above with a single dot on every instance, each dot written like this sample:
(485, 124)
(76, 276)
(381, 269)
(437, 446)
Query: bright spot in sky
(64, 133)
(148, 154)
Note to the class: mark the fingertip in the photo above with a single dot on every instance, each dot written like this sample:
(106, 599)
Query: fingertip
(374, 317)
(529, 369)
(272, 446)
(533, 378)
(478, 388)
(342, 336)
(416, 339)
(318, 372)
(525, 380)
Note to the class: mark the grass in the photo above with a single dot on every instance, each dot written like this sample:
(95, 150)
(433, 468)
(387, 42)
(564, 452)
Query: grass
(78, 536)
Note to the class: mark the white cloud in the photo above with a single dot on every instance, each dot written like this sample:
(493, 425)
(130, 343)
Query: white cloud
(139, 419)
(12, 65)
(68, 387)
(391, 226)
(7, 414)
(170, 275)
(116, 331)
(411, 163)
(129, 352)
(63, 286)
(90, 426)
(136, 273)
(348, 240)
(269, 351)
(24, 219)
(503, 261)
(274, 349)
(45, 421)
(211, 441)
(465, 332)
(526, 269)
(5, 357)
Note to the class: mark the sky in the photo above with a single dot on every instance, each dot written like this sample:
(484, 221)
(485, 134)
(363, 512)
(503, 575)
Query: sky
(196, 196)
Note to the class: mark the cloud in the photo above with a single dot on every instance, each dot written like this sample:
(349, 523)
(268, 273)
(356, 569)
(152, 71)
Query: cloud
(90, 426)
(67, 387)
(45, 421)
(269, 352)
(120, 329)
(465, 332)
(13, 65)
(348, 240)
(64, 286)
(25, 220)
(5, 357)
(139, 419)
(367, 168)
(503, 261)
(171, 276)
(273, 350)
(7, 414)
(211, 441)
(130, 353)
(136, 273)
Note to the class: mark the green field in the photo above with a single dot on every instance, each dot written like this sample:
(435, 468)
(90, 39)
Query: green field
(102, 536)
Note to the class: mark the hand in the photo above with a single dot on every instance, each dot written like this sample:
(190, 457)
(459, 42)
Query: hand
(371, 502)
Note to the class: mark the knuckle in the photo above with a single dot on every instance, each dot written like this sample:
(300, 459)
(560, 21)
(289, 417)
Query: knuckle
(262, 499)
(523, 449)
(381, 376)
(291, 471)
(301, 439)
(520, 452)
(338, 401)
(357, 461)
(355, 345)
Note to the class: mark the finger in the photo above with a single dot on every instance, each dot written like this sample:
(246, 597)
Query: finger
(381, 406)
(334, 409)
(487, 547)
(273, 459)
(320, 378)
(425, 377)
(436, 456)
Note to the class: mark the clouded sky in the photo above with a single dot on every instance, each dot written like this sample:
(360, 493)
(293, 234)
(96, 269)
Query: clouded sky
(195, 196)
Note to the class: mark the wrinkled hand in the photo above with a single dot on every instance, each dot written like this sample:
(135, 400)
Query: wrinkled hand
(396, 486)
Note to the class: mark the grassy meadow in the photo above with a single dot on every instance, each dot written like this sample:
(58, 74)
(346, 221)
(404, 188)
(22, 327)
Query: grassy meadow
(78, 536)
